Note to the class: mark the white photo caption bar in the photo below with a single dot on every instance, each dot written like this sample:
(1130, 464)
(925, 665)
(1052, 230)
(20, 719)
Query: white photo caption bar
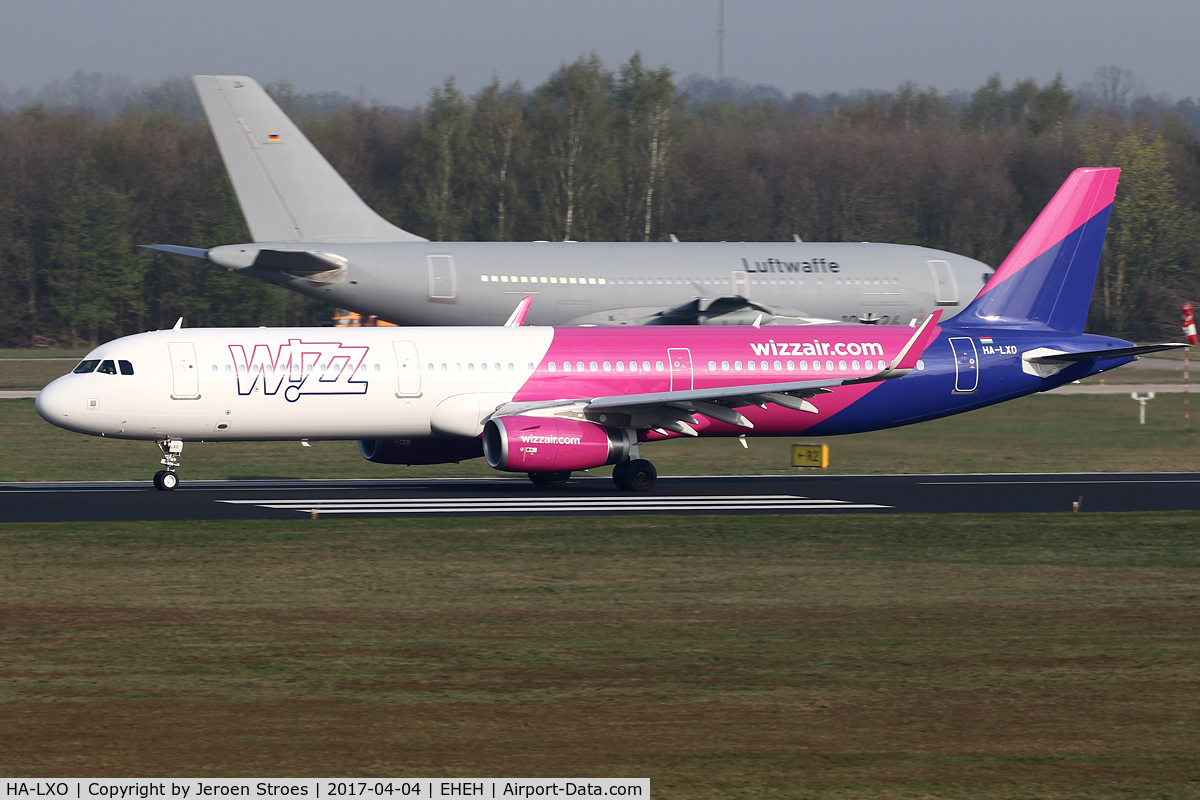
(318, 788)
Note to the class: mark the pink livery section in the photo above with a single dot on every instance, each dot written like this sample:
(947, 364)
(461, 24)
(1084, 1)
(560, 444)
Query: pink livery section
(1048, 278)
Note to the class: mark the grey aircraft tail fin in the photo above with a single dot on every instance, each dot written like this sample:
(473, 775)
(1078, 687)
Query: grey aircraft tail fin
(287, 190)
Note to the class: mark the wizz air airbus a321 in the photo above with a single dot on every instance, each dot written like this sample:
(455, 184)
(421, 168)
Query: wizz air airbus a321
(314, 235)
(547, 401)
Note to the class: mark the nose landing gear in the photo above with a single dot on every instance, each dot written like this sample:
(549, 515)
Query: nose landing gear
(165, 480)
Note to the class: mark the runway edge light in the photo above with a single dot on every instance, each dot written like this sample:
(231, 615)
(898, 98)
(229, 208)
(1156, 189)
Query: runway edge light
(810, 456)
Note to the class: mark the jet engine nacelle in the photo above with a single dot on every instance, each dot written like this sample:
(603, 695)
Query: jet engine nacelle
(419, 451)
(551, 444)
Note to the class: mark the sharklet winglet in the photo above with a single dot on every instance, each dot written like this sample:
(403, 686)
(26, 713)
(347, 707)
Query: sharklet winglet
(517, 319)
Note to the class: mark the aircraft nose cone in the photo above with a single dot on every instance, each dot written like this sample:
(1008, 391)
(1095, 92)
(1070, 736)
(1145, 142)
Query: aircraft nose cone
(53, 403)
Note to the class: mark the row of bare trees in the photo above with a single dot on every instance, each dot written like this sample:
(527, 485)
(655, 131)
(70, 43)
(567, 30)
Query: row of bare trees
(590, 154)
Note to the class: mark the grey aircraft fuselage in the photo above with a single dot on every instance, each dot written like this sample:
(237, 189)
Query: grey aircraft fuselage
(625, 283)
(313, 234)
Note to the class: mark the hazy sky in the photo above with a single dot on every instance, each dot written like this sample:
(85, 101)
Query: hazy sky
(397, 50)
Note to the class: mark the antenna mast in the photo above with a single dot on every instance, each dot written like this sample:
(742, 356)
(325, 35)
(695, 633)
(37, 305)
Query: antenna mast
(720, 41)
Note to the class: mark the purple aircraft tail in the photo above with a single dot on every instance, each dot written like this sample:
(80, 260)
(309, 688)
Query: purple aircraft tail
(1047, 280)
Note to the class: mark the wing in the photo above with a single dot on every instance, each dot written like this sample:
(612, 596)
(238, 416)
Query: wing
(674, 411)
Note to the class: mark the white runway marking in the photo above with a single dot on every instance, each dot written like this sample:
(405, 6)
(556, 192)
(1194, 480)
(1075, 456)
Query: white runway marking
(542, 505)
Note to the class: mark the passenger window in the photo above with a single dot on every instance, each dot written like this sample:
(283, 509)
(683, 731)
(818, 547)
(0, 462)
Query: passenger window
(511, 367)
(737, 366)
(607, 366)
(854, 366)
(483, 366)
(87, 366)
(593, 366)
(566, 366)
(645, 366)
(804, 366)
(712, 366)
(725, 366)
(750, 365)
(658, 365)
(107, 367)
(123, 372)
(471, 367)
(228, 369)
(778, 366)
(497, 366)
(579, 366)
(551, 367)
(791, 365)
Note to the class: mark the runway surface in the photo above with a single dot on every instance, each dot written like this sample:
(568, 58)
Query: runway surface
(788, 494)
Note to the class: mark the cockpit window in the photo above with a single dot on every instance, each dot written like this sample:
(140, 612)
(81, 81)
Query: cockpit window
(126, 367)
(107, 367)
(87, 366)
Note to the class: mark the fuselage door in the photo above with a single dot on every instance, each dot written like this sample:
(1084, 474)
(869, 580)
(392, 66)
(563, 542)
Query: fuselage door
(945, 287)
(966, 364)
(740, 284)
(681, 369)
(408, 369)
(442, 284)
(185, 377)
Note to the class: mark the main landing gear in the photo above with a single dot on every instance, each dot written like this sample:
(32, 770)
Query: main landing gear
(165, 480)
(637, 475)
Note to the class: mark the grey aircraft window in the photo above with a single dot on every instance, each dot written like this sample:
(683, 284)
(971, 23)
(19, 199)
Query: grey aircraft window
(471, 367)
(620, 366)
(107, 367)
(87, 366)
(511, 367)
(497, 366)
(551, 367)
(529, 366)
(228, 368)
(791, 365)
(658, 365)
(712, 366)
(566, 366)
(645, 366)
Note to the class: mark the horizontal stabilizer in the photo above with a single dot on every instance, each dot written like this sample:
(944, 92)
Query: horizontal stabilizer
(1120, 352)
(178, 249)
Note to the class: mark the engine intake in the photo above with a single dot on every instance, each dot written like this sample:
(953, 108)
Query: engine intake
(551, 444)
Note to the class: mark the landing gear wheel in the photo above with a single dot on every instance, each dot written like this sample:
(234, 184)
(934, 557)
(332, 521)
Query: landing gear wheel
(165, 481)
(619, 476)
(639, 475)
(549, 478)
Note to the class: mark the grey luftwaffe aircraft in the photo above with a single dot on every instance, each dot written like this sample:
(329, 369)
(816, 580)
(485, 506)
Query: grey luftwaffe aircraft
(314, 235)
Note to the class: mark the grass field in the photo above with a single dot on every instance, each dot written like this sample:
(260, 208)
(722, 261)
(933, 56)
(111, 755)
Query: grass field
(1030, 656)
(1043, 433)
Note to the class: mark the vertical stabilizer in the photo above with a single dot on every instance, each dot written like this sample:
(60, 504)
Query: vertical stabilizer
(1048, 278)
(287, 190)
